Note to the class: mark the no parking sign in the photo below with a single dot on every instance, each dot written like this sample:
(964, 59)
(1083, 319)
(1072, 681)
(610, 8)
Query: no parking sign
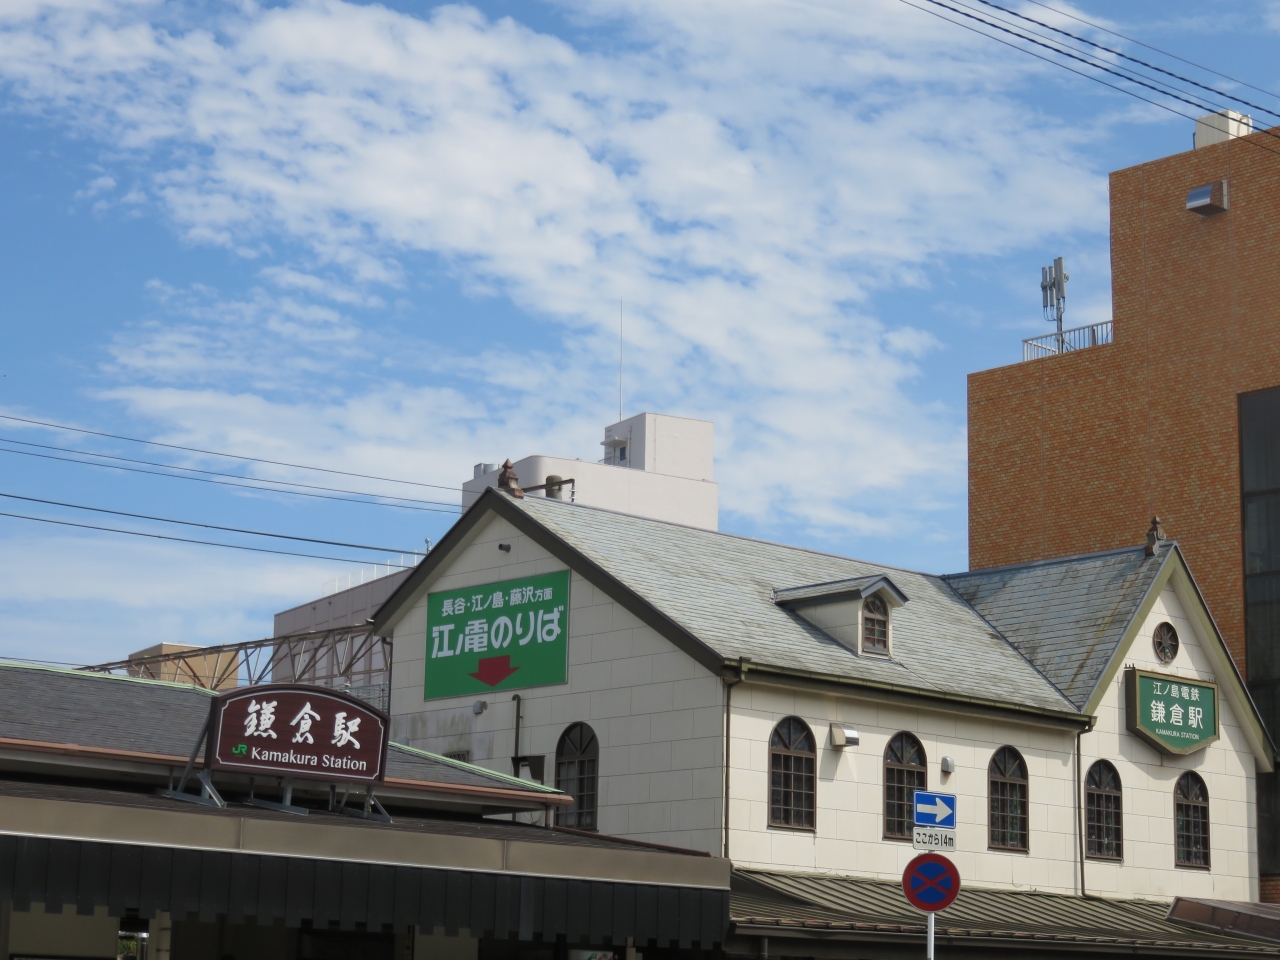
(931, 883)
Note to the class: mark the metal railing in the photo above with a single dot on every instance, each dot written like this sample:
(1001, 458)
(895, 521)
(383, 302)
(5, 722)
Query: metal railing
(1077, 338)
(350, 659)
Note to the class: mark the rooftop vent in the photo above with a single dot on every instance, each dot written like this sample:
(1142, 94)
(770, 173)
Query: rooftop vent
(1221, 126)
(1208, 199)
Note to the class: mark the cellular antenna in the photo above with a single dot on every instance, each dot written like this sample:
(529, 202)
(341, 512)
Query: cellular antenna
(1053, 295)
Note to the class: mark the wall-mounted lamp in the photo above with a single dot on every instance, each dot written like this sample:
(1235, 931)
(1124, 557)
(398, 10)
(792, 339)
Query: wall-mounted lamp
(948, 765)
(843, 735)
(504, 547)
(479, 707)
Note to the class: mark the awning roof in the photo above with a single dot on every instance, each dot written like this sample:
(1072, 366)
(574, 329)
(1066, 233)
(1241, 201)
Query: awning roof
(808, 906)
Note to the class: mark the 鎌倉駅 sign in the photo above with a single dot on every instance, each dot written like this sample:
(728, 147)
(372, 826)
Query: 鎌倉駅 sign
(1172, 714)
(499, 636)
(285, 730)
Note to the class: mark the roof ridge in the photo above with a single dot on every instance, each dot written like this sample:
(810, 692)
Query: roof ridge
(1048, 561)
(739, 536)
(94, 675)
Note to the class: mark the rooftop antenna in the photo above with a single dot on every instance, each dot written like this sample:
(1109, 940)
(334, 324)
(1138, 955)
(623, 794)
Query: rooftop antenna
(1053, 296)
(621, 341)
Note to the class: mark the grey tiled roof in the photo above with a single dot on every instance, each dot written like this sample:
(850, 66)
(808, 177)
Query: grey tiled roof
(148, 716)
(720, 588)
(1067, 616)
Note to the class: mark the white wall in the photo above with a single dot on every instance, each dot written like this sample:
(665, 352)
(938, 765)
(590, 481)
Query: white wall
(848, 838)
(1148, 777)
(656, 713)
(695, 503)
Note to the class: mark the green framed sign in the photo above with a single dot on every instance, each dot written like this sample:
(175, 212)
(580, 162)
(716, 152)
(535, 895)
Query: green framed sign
(1172, 714)
(499, 636)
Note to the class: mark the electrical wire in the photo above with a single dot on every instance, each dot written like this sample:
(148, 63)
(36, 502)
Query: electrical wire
(228, 483)
(215, 453)
(1166, 53)
(1069, 69)
(207, 526)
(1120, 53)
(206, 543)
(217, 473)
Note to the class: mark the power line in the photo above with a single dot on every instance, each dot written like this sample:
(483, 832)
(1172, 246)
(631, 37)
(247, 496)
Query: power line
(218, 473)
(215, 453)
(1063, 66)
(161, 536)
(1120, 53)
(207, 526)
(227, 483)
(1166, 53)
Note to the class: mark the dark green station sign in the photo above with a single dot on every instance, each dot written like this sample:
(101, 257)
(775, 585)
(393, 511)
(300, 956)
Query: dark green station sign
(1172, 714)
(499, 636)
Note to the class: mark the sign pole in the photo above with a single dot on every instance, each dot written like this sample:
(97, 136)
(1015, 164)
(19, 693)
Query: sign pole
(929, 948)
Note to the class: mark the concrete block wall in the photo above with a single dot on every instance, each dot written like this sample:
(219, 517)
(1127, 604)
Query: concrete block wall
(656, 713)
(1075, 453)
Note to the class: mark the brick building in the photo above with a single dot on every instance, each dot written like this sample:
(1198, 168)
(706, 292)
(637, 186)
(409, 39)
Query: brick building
(1173, 409)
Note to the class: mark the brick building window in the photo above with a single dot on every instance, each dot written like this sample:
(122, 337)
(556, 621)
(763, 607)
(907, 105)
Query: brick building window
(1191, 821)
(792, 778)
(577, 765)
(1105, 838)
(1007, 783)
(875, 625)
(905, 772)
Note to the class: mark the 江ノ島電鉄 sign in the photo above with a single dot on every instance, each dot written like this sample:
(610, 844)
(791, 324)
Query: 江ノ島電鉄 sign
(1172, 714)
(499, 636)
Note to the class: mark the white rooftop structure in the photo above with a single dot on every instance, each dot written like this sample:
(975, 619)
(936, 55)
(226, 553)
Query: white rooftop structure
(654, 466)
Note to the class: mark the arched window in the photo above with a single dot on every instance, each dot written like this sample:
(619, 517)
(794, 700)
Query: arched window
(792, 782)
(875, 625)
(1007, 783)
(1105, 839)
(905, 772)
(1191, 821)
(577, 762)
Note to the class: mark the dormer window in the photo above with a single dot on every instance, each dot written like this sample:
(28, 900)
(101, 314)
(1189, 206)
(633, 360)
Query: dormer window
(875, 625)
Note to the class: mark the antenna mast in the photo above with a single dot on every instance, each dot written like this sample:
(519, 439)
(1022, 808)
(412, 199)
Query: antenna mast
(1053, 296)
(621, 341)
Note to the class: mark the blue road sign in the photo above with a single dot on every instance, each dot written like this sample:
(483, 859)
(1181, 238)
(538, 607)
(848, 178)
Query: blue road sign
(935, 810)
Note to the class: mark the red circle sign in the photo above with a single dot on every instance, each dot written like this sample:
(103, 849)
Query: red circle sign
(931, 882)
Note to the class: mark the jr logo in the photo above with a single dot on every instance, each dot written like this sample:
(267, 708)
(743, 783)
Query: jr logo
(240, 750)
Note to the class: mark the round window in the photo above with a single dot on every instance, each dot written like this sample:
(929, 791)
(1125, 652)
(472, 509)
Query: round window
(1165, 640)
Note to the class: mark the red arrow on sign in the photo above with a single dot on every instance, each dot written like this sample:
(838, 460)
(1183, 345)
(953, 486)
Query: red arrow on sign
(493, 670)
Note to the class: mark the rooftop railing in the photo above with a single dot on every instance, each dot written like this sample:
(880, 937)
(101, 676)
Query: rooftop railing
(1077, 338)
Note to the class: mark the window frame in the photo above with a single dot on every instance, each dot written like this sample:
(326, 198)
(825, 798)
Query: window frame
(587, 759)
(1181, 800)
(881, 617)
(1025, 783)
(789, 756)
(888, 765)
(1105, 797)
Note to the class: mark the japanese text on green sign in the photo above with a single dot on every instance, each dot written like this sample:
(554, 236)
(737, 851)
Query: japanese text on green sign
(1172, 714)
(498, 636)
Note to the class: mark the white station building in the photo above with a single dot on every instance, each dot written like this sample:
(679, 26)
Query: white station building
(779, 707)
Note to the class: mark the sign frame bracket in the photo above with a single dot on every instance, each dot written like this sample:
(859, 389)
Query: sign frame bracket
(284, 805)
(372, 809)
(208, 795)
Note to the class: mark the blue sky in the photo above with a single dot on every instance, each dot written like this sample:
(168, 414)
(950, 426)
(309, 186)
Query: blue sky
(392, 239)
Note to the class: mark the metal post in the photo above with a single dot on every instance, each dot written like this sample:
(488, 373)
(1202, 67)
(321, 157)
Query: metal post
(929, 945)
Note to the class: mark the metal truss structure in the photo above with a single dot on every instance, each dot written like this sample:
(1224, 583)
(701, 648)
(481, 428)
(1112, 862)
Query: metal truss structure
(350, 659)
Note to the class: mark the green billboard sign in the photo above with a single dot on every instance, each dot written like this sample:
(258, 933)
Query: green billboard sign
(499, 636)
(1172, 714)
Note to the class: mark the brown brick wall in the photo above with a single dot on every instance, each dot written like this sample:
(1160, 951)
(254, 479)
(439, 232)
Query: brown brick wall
(1076, 453)
(1269, 890)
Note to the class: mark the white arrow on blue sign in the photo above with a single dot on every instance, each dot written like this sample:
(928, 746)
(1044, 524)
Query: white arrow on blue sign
(935, 810)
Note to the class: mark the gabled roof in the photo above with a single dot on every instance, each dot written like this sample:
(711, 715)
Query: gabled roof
(1068, 616)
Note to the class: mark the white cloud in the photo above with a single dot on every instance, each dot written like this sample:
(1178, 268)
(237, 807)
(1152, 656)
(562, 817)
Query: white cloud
(745, 175)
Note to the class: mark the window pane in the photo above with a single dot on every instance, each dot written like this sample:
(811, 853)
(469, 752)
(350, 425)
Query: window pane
(1262, 533)
(1260, 439)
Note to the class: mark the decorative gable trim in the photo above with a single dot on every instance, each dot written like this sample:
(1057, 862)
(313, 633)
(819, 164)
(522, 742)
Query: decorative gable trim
(839, 591)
